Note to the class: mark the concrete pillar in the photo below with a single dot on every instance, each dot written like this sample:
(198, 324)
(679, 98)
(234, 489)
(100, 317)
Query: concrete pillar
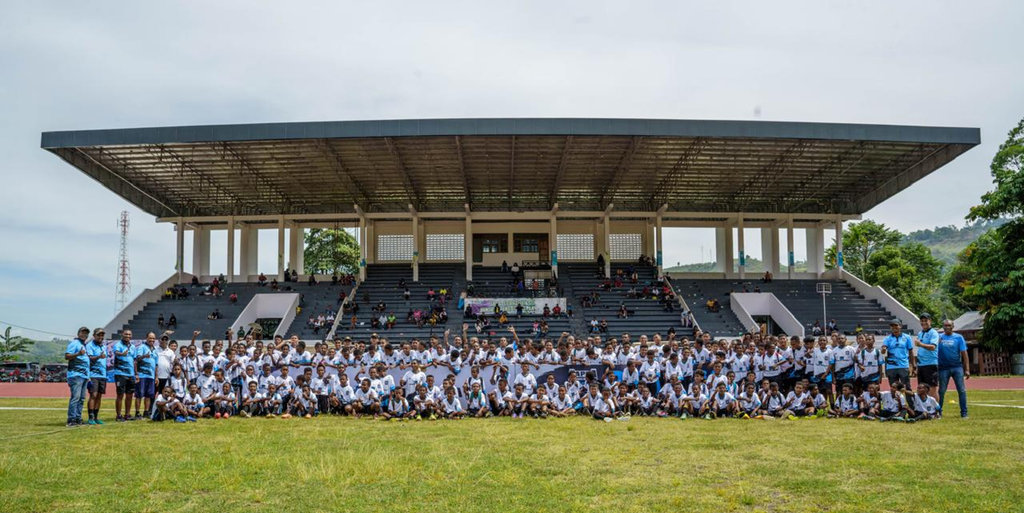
(659, 235)
(179, 259)
(362, 248)
(770, 249)
(790, 257)
(839, 245)
(722, 250)
(553, 244)
(740, 247)
(468, 247)
(249, 259)
(606, 246)
(296, 248)
(280, 249)
(231, 249)
(415, 248)
(816, 250)
(200, 251)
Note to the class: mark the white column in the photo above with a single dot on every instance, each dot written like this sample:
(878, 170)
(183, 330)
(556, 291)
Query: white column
(790, 257)
(280, 249)
(722, 249)
(200, 251)
(657, 254)
(179, 259)
(553, 244)
(415, 248)
(231, 249)
(468, 247)
(839, 246)
(816, 250)
(362, 248)
(250, 246)
(770, 249)
(739, 246)
(296, 244)
(606, 246)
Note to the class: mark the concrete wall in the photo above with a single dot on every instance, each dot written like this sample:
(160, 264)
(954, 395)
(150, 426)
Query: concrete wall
(765, 303)
(269, 306)
(145, 297)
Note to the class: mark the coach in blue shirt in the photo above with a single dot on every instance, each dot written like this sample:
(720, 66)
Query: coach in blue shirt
(927, 344)
(78, 375)
(898, 349)
(953, 363)
(124, 375)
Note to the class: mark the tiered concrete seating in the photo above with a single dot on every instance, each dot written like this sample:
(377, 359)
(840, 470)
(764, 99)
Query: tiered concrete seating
(192, 312)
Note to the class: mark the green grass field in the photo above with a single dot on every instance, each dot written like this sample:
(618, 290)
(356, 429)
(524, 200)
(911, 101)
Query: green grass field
(343, 464)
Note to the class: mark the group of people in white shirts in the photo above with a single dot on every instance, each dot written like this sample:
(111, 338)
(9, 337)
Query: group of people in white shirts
(750, 377)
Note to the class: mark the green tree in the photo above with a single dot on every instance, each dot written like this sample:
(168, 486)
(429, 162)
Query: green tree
(993, 280)
(860, 241)
(909, 273)
(330, 251)
(10, 345)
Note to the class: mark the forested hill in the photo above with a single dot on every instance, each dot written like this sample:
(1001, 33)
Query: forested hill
(945, 242)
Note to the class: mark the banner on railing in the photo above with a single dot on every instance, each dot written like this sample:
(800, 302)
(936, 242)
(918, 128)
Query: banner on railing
(531, 306)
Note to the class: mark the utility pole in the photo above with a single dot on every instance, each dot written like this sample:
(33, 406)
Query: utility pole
(124, 279)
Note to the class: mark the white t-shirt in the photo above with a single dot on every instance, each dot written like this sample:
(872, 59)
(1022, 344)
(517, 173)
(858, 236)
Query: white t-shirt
(366, 397)
(451, 406)
(164, 361)
(722, 401)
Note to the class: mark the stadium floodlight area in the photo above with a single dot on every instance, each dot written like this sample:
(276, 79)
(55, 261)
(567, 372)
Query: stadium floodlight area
(477, 192)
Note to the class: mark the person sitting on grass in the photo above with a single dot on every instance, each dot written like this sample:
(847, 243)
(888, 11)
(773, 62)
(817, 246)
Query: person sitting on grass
(774, 402)
(254, 403)
(303, 404)
(869, 402)
(749, 403)
(723, 404)
(846, 404)
(892, 405)
(476, 400)
(925, 406)
(451, 407)
(561, 404)
(193, 403)
(605, 409)
(818, 400)
(398, 407)
(799, 402)
(167, 406)
(224, 402)
(424, 404)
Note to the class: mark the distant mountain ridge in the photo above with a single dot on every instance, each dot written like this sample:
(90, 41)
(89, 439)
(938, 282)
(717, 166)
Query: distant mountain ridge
(946, 242)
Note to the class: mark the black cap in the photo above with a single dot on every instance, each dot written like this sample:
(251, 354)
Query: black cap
(925, 315)
(83, 329)
(895, 322)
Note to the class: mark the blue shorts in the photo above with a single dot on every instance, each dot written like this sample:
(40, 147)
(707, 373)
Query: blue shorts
(146, 388)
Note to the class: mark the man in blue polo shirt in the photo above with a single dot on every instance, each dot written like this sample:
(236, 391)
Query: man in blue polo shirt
(124, 375)
(953, 363)
(78, 375)
(898, 350)
(145, 372)
(97, 374)
(927, 344)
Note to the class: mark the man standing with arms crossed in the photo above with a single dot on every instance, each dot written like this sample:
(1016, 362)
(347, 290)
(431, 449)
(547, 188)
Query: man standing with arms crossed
(898, 350)
(78, 375)
(124, 375)
(953, 363)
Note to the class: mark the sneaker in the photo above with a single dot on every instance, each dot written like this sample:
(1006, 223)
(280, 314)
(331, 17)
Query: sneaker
(190, 418)
(746, 417)
(129, 418)
(98, 422)
(216, 415)
(90, 422)
(72, 423)
(226, 416)
(418, 417)
(624, 417)
(707, 416)
(433, 416)
(684, 416)
(246, 414)
(792, 417)
(759, 417)
(138, 416)
(120, 419)
(179, 419)
(286, 415)
(308, 416)
(270, 415)
(607, 419)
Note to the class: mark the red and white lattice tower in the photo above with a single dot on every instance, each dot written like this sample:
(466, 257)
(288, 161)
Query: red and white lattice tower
(124, 279)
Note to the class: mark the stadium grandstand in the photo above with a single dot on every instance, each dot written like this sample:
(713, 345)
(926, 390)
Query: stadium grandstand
(557, 223)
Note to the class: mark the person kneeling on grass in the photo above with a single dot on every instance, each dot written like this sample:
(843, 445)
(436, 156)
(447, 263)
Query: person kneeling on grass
(846, 404)
(925, 406)
(167, 406)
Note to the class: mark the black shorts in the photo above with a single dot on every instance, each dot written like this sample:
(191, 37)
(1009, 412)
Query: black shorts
(928, 374)
(898, 375)
(124, 384)
(98, 385)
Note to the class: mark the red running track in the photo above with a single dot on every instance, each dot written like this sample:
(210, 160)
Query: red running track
(61, 389)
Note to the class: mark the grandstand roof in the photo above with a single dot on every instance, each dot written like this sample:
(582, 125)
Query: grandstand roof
(510, 165)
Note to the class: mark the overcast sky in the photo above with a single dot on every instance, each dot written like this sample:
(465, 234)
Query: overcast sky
(87, 65)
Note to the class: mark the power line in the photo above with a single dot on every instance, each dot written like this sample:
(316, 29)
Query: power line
(11, 324)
